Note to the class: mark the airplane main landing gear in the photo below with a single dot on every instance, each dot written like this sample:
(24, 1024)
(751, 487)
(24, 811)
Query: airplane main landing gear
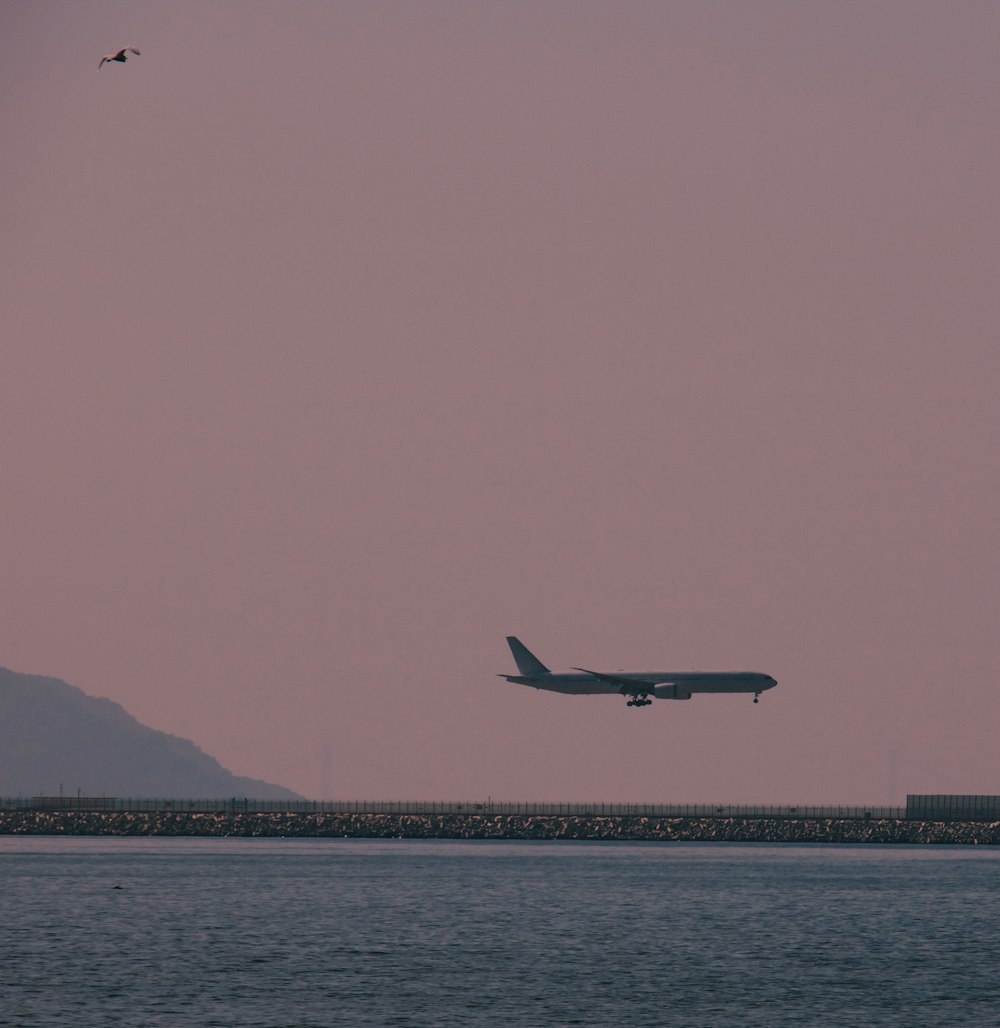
(639, 701)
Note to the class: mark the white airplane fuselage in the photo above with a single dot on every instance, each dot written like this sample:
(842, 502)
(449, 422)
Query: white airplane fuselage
(639, 685)
(661, 684)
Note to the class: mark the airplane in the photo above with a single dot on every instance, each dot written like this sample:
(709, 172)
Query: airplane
(638, 686)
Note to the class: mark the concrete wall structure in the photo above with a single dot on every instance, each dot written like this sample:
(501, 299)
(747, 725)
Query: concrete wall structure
(500, 827)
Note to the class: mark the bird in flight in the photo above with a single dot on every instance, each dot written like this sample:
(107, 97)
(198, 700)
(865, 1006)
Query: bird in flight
(120, 56)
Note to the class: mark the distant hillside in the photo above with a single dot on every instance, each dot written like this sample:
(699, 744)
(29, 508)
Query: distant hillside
(53, 734)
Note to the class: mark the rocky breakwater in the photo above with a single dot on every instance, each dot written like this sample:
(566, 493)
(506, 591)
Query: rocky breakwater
(499, 826)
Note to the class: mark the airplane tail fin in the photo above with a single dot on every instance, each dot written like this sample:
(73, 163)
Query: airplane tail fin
(527, 662)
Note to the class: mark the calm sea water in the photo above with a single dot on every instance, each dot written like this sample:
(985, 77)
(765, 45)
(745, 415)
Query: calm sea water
(290, 933)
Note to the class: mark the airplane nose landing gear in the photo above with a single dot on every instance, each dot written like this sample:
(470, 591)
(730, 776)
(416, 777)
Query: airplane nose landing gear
(756, 697)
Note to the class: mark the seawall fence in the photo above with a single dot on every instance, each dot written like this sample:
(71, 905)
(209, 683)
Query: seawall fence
(918, 808)
(488, 807)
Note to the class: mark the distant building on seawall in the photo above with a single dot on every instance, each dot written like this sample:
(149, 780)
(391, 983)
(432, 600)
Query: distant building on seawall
(953, 808)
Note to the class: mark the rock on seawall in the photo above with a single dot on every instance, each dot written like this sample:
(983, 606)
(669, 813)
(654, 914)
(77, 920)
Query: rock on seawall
(501, 826)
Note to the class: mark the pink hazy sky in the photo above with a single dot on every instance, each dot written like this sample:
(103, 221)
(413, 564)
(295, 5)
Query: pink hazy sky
(341, 340)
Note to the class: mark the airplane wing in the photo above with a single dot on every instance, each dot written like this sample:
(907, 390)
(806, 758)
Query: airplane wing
(622, 683)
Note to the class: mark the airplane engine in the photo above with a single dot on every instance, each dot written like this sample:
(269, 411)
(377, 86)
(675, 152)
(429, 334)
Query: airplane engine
(671, 692)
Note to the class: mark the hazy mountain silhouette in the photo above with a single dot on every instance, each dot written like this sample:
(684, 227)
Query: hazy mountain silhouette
(54, 735)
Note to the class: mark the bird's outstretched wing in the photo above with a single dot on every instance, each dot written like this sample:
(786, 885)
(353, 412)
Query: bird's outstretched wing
(120, 56)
